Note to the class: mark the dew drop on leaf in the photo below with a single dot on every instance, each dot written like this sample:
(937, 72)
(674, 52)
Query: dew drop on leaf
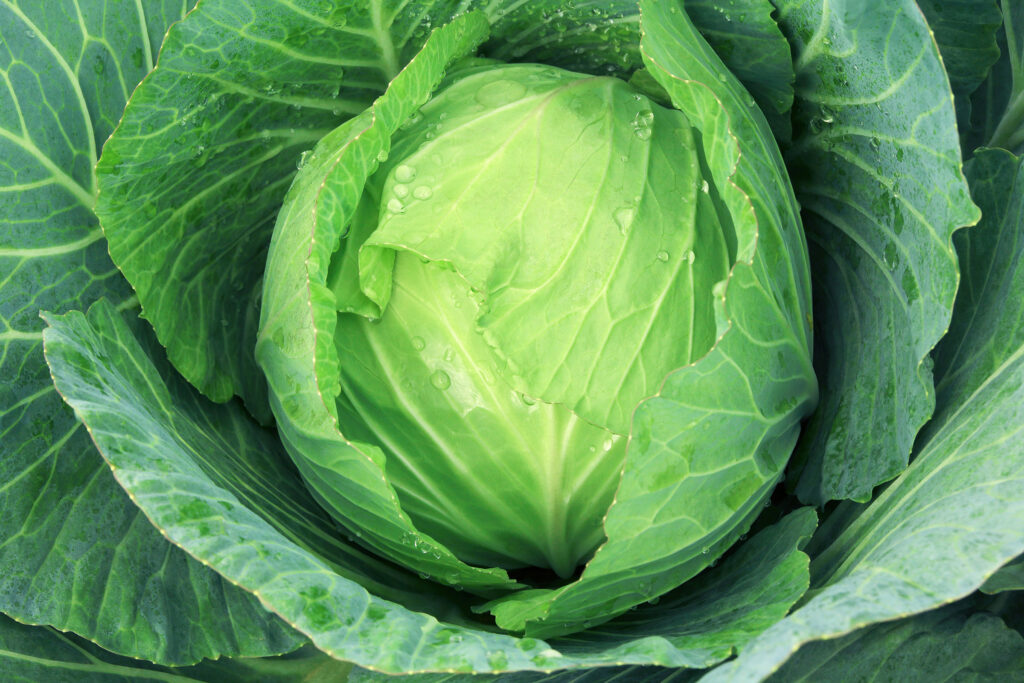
(441, 380)
(405, 173)
(624, 218)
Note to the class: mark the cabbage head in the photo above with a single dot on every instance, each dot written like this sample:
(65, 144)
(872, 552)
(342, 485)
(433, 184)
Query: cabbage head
(556, 340)
(543, 321)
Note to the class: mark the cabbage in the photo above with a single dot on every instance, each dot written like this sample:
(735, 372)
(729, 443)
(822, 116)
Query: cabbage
(604, 338)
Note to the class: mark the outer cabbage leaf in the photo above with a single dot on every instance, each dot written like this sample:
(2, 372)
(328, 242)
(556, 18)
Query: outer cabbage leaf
(989, 101)
(76, 553)
(619, 674)
(989, 321)
(959, 642)
(33, 653)
(876, 166)
(749, 42)
(1002, 114)
(955, 510)
(965, 31)
(1010, 577)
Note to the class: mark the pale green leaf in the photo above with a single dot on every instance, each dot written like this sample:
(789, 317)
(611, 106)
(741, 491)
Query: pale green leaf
(296, 347)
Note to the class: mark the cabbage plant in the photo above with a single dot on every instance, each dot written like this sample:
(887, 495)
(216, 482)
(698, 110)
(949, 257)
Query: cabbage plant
(593, 340)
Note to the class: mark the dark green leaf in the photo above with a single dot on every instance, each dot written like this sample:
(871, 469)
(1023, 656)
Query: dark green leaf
(1003, 98)
(876, 166)
(988, 319)
(1010, 577)
(753, 48)
(31, 654)
(988, 102)
(965, 31)
(947, 644)
(615, 674)
(76, 552)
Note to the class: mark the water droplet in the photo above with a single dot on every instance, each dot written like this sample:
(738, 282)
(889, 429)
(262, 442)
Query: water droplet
(302, 160)
(642, 123)
(624, 218)
(412, 120)
(689, 256)
(663, 256)
(449, 355)
(382, 155)
(401, 191)
(405, 173)
(422, 192)
(497, 660)
(704, 187)
(395, 205)
(607, 445)
(418, 343)
(527, 400)
(891, 256)
(441, 380)
(875, 143)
